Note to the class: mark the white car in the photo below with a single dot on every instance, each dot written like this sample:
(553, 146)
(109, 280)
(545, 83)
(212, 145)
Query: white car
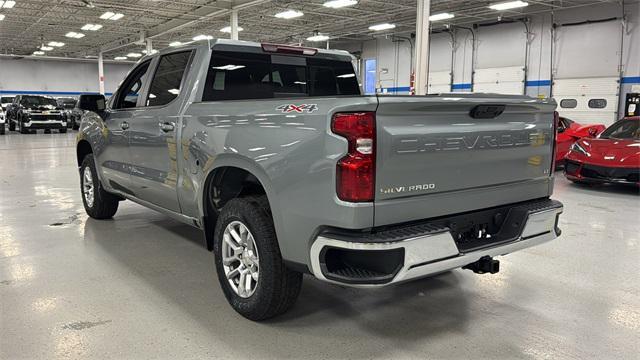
(2, 121)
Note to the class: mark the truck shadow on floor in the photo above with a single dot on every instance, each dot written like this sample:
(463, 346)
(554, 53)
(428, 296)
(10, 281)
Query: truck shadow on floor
(171, 257)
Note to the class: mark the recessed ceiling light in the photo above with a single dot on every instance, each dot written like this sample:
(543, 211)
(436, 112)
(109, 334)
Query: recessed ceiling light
(336, 4)
(508, 5)
(92, 27)
(318, 38)
(227, 29)
(56, 44)
(38, 53)
(74, 35)
(7, 4)
(134, 55)
(380, 27)
(120, 58)
(111, 16)
(46, 48)
(202, 37)
(441, 16)
(154, 51)
(175, 43)
(289, 14)
(1, 17)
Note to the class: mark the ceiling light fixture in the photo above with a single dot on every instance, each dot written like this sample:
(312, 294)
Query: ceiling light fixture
(1, 17)
(92, 27)
(7, 4)
(175, 43)
(56, 44)
(46, 48)
(336, 4)
(202, 37)
(318, 37)
(74, 35)
(111, 16)
(380, 27)
(134, 55)
(289, 14)
(441, 16)
(120, 58)
(508, 5)
(227, 29)
(38, 53)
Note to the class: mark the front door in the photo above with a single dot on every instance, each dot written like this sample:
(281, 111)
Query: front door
(113, 157)
(153, 134)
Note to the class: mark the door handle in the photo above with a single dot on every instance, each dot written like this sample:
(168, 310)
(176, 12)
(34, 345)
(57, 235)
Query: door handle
(167, 126)
(124, 125)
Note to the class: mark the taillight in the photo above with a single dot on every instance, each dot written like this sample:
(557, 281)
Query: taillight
(356, 170)
(556, 121)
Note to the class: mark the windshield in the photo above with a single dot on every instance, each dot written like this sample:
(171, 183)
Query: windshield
(37, 101)
(67, 103)
(623, 129)
(6, 99)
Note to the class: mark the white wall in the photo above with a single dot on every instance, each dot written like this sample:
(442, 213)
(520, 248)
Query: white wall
(56, 77)
(580, 51)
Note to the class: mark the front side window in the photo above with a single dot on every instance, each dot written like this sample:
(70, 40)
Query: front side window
(623, 129)
(243, 76)
(168, 78)
(131, 87)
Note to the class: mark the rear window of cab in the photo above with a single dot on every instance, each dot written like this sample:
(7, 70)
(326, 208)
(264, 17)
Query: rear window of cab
(240, 76)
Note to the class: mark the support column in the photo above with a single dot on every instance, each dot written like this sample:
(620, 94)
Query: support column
(101, 72)
(422, 46)
(234, 24)
(149, 46)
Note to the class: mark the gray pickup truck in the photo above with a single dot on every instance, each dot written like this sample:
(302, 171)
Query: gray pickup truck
(276, 155)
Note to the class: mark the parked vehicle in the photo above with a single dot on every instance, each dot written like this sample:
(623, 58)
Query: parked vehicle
(5, 101)
(568, 132)
(2, 122)
(33, 112)
(612, 157)
(68, 104)
(288, 169)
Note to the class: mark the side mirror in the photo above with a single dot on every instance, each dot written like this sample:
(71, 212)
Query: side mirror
(593, 132)
(561, 130)
(93, 102)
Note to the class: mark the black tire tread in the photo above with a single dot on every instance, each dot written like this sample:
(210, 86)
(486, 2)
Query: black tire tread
(105, 205)
(287, 283)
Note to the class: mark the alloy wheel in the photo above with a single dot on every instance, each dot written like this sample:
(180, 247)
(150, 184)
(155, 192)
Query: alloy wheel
(240, 259)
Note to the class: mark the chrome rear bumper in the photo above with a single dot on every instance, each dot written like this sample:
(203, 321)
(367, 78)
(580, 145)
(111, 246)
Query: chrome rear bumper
(437, 251)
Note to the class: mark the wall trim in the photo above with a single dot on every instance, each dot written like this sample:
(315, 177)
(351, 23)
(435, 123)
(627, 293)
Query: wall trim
(630, 80)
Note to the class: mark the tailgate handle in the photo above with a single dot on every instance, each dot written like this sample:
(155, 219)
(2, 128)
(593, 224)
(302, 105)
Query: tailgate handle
(486, 111)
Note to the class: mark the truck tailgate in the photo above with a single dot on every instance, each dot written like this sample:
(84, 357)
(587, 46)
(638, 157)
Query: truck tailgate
(444, 154)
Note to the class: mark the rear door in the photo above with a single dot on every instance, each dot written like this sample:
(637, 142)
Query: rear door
(153, 134)
(435, 158)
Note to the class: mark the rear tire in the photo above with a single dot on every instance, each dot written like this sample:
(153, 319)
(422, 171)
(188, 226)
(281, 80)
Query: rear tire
(63, 130)
(98, 203)
(12, 125)
(276, 287)
(23, 130)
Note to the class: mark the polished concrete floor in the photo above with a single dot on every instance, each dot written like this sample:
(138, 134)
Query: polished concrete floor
(143, 286)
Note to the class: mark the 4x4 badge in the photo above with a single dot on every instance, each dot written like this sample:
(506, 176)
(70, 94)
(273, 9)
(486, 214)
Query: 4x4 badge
(289, 108)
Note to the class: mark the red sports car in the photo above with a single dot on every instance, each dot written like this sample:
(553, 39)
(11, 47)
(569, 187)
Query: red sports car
(569, 131)
(612, 157)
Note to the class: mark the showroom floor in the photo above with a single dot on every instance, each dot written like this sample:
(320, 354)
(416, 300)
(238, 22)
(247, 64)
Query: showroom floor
(143, 286)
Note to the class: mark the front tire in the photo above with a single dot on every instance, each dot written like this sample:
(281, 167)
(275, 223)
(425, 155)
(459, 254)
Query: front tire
(98, 203)
(250, 268)
(12, 125)
(63, 130)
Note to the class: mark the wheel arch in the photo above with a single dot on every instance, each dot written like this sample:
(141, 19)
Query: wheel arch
(232, 177)
(83, 148)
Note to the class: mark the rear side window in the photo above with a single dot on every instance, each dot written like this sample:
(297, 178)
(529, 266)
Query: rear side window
(168, 77)
(240, 76)
(568, 103)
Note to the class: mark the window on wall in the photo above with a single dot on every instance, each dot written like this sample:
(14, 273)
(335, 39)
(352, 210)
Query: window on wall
(597, 103)
(370, 76)
(168, 78)
(568, 103)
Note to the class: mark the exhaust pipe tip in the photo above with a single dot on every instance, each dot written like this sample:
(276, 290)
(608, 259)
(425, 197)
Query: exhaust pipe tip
(485, 265)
